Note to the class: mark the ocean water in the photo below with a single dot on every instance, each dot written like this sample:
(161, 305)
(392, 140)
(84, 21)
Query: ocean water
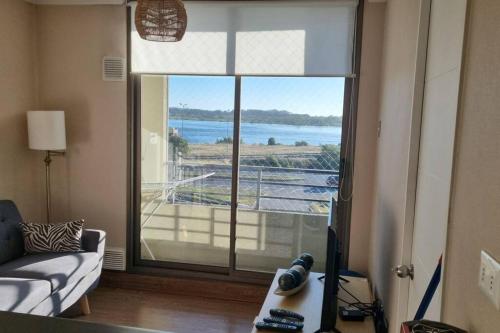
(198, 131)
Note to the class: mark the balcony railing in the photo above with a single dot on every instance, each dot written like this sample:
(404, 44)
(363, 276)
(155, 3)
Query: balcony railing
(306, 191)
(282, 212)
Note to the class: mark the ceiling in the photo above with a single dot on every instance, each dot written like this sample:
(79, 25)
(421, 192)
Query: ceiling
(77, 2)
(99, 2)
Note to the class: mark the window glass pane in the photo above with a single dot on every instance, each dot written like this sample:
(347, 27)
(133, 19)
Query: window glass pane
(289, 164)
(186, 159)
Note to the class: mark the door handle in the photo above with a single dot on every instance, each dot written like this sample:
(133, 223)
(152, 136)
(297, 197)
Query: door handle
(403, 271)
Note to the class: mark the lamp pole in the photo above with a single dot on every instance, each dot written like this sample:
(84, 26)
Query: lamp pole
(48, 160)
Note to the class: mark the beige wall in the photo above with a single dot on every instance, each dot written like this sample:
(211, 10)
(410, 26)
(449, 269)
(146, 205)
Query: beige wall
(366, 135)
(20, 168)
(396, 103)
(475, 210)
(93, 174)
(154, 131)
(91, 180)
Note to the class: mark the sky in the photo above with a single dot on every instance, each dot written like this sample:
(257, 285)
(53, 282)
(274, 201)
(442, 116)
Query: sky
(303, 95)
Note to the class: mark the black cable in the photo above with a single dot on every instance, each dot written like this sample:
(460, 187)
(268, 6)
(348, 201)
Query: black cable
(361, 306)
(366, 312)
(350, 294)
(322, 277)
(368, 309)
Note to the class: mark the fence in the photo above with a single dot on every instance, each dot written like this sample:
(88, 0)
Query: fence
(281, 213)
(260, 187)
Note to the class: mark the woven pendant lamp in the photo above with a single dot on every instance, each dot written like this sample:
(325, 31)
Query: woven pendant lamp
(161, 20)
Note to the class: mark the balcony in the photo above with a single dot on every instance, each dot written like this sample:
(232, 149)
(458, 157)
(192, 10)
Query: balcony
(282, 212)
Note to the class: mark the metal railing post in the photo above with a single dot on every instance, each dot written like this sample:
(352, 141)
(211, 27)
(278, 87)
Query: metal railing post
(259, 189)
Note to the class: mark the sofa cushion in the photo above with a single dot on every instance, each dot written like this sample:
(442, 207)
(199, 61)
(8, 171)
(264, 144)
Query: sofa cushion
(62, 237)
(11, 238)
(22, 295)
(60, 269)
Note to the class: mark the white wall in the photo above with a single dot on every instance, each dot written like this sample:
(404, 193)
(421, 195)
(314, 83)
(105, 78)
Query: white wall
(396, 103)
(437, 137)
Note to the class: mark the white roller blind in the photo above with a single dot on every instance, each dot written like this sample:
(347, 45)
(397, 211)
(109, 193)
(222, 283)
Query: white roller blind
(256, 38)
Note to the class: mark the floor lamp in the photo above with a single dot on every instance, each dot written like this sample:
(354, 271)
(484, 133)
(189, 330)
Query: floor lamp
(47, 132)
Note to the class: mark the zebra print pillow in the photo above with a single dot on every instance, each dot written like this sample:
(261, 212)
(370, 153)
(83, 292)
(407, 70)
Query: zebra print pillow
(64, 237)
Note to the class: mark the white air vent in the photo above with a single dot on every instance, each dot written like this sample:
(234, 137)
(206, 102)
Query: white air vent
(114, 259)
(113, 69)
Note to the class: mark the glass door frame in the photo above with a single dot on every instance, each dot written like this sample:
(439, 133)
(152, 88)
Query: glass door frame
(135, 264)
(140, 265)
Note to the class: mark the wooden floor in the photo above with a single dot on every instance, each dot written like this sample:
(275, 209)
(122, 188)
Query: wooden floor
(167, 312)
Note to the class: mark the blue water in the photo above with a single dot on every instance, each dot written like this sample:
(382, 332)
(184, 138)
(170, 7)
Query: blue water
(198, 131)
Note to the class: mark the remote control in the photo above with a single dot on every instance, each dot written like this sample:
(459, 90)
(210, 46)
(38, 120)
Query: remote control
(286, 313)
(284, 321)
(276, 327)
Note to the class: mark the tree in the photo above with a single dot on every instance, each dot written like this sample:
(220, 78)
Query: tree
(179, 144)
(301, 143)
(255, 116)
(271, 141)
(226, 139)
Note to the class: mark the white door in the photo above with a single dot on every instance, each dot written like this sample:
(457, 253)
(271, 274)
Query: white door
(437, 134)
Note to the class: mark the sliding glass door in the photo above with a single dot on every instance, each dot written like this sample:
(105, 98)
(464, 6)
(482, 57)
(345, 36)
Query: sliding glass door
(186, 163)
(288, 168)
(236, 173)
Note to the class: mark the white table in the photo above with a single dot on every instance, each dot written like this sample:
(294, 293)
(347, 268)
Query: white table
(309, 301)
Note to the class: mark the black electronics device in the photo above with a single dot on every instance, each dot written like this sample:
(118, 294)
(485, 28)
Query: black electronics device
(351, 314)
(331, 280)
(282, 313)
(276, 327)
(284, 321)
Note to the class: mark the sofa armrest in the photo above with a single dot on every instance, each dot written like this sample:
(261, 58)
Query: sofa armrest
(94, 241)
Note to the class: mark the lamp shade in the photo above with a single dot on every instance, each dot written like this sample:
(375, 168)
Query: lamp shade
(46, 130)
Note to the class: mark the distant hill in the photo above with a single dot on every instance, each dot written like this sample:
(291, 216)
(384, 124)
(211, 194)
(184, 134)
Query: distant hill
(256, 116)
